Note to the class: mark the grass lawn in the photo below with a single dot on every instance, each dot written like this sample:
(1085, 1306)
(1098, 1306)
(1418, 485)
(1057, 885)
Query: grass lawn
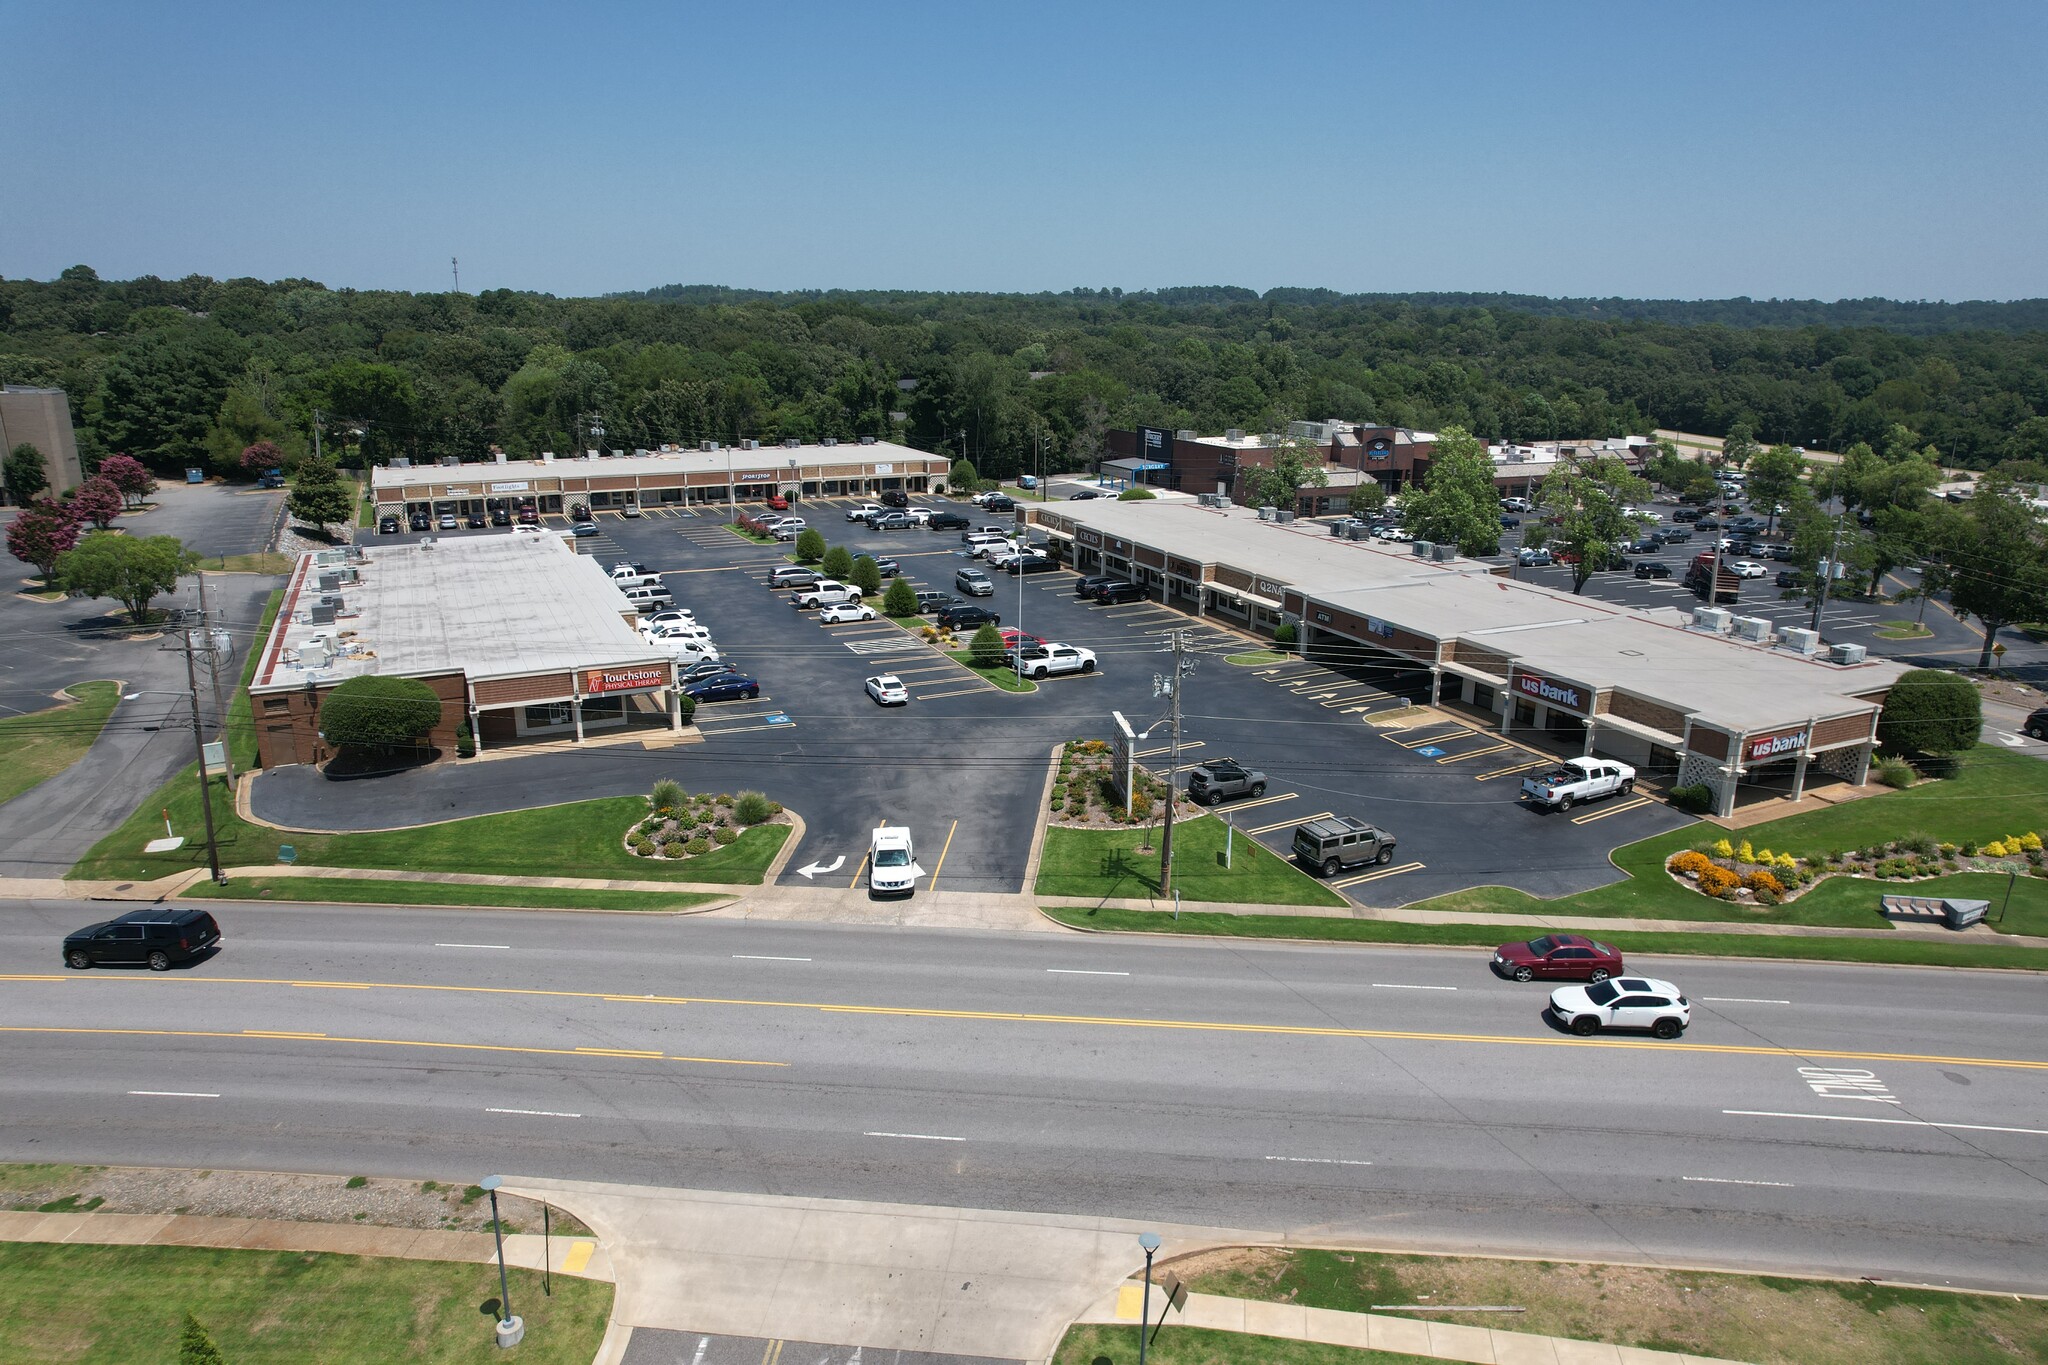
(350, 891)
(1704, 943)
(265, 562)
(581, 839)
(1002, 675)
(1102, 1344)
(1768, 1320)
(1903, 630)
(42, 744)
(118, 1305)
(1257, 656)
(744, 534)
(1107, 864)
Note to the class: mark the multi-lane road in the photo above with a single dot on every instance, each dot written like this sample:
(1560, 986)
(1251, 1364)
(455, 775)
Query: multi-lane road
(1862, 1122)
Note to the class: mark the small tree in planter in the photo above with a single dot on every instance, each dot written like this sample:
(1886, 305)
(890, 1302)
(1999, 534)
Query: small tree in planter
(810, 545)
(129, 476)
(41, 533)
(867, 576)
(986, 649)
(901, 599)
(98, 502)
(838, 562)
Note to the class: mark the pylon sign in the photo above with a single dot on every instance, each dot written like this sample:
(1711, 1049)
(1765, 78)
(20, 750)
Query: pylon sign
(1125, 751)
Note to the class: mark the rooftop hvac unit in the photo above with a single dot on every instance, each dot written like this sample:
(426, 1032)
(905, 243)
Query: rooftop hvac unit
(547, 457)
(1756, 628)
(1283, 516)
(1184, 435)
(1847, 654)
(750, 444)
(867, 440)
(829, 441)
(1337, 528)
(1710, 618)
(790, 443)
(321, 615)
(401, 462)
(1800, 641)
(1422, 549)
(1234, 434)
(1443, 554)
(707, 446)
(1266, 513)
(449, 461)
(1358, 530)
(329, 582)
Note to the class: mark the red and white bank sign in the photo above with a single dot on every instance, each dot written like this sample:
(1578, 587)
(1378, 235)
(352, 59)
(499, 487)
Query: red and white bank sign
(1551, 692)
(596, 680)
(1783, 744)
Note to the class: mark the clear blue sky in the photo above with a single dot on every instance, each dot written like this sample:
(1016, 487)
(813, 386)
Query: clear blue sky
(1788, 149)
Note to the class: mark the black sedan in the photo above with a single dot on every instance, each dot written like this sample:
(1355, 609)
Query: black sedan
(387, 526)
(1083, 496)
(476, 521)
(1652, 568)
(1508, 523)
(723, 687)
(967, 616)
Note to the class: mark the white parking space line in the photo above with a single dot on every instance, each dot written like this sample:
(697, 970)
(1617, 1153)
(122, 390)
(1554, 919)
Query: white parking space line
(1902, 1123)
(180, 1094)
(917, 1137)
(1403, 986)
(535, 1113)
(1740, 1000)
(764, 957)
(1082, 971)
(1717, 1180)
(472, 945)
(1320, 1160)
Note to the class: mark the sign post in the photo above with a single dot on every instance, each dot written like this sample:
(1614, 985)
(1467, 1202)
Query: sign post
(1124, 758)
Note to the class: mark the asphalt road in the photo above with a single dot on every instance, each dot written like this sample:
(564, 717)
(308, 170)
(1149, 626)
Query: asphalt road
(1395, 1097)
(964, 764)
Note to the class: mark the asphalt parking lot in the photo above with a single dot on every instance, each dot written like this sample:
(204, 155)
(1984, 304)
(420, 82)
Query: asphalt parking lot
(964, 763)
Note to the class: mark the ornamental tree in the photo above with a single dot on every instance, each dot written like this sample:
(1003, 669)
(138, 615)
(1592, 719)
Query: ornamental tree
(1930, 711)
(262, 457)
(128, 475)
(322, 498)
(838, 563)
(129, 569)
(378, 712)
(25, 472)
(867, 575)
(985, 650)
(41, 533)
(98, 502)
(900, 600)
(810, 545)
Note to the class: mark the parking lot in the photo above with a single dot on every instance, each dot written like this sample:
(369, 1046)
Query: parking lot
(964, 763)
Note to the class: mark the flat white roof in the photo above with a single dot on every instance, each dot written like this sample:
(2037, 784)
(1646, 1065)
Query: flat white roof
(1725, 682)
(491, 606)
(657, 463)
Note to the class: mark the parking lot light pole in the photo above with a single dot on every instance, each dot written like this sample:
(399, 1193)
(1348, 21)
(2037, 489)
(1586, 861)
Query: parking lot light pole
(510, 1329)
(1149, 1241)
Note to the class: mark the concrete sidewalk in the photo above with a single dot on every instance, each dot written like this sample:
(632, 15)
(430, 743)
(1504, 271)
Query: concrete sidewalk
(1377, 1332)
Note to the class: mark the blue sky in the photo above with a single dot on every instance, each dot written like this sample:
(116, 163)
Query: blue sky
(1790, 149)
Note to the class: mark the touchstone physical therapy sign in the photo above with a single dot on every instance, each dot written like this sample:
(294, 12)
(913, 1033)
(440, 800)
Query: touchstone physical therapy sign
(596, 680)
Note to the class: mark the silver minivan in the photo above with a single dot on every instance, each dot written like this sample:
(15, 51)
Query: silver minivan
(975, 583)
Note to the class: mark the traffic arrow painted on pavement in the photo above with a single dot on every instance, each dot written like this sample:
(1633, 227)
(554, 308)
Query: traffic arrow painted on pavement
(810, 870)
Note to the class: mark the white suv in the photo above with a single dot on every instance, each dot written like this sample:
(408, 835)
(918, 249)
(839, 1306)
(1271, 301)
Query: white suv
(892, 862)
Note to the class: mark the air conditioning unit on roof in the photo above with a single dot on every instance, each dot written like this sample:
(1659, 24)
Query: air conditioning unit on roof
(790, 443)
(867, 440)
(1846, 654)
(1755, 628)
(1710, 618)
(1799, 641)
(829, 441)
(1283, 516)
(1422, 549)
(1443, 554)
(1266, 513)
(750, 444)
(707, 445)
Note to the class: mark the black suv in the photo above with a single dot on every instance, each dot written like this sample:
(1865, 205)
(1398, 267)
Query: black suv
(1086, 585)
(967, 616)
(1032, 561)
(1686, 514)
(946, 521)
(156, 937)
(501, 516)
(420, 521)
(2037, 724)
(1000, 502)
(1119, 591)
(894, 497)
(387, 525)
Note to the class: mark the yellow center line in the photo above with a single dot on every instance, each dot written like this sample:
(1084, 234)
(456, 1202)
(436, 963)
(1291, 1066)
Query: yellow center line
(252, 1035)
(1002, 1016)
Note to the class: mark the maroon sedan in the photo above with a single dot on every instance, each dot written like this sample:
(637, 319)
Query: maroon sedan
(1557, 957)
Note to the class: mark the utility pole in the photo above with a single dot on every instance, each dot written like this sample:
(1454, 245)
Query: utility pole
(199, 742)
(220, 713)
(1181, 665)
(456, 266)
(1827, 569)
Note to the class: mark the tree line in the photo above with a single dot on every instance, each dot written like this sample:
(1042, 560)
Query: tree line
(196, 371)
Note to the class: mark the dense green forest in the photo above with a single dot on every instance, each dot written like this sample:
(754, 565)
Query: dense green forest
(194, 370)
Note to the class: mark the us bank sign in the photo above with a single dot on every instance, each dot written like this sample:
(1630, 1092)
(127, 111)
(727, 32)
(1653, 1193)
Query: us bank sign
(1567, 695)
(1762, 748)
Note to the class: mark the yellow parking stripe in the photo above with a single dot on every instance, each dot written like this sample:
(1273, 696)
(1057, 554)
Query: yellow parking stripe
(1262, 801)
(1410, 740)
(934, 696)
(1394, 871)
(1530, 766)
(1283, 824)
(1589, 818)
(1476, 753)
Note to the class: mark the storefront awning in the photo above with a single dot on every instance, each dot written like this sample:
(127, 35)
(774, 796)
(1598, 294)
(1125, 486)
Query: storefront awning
(1478, 675)
(1640, 730)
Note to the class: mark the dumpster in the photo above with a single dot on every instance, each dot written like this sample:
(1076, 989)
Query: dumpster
(195, 476)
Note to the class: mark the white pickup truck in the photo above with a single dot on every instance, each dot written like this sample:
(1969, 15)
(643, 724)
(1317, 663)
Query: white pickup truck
(1579, 779)
(825, 592)
(1056, 658)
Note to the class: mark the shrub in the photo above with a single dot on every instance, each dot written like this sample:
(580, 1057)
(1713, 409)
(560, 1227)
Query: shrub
(1765, 896)
(1696, 799)
(2031, 842)
(377, 711)
(900, 600)
(1930, 711)
(641, 845)
(465, 742)
(986, 649)
(838, 562)
(1744, 853)
(725, 834)
(684, 821)
(1690, 861)
(1948, 850)
(697, 846)
(867, 576)
(724, 798)
(1919, 845)
(1141, 804)
(1059, 798)
(1723, 849)
(751, 808)
(1716, 881)
(810, 545)
(1285, 633)
(1895, 772)
(1764, 857)
(1764, 881)
(1788, 863)
(1995, 849)
(675, 849)
(1968, 849)
(667, 795)
(1136, 495)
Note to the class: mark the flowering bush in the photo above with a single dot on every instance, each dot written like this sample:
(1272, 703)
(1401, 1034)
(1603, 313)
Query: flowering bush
(1691, 862)
(1763, 881)
(1744, 853)
(1723, 849)
(1787, 863)
(1717, 881)
(2031, 842)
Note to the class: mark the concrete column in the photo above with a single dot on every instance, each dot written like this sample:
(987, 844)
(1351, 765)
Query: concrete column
(1587, 752)
(1863, 765)
(1436, 685)
(675, 708)
(1724, 804)
(1799, 777)
(576, 712)
(476, 727)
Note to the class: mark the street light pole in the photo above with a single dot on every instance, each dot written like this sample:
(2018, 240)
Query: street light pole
(1172, 769)
(199, 742)
(510, 1329)
(1149, 1241)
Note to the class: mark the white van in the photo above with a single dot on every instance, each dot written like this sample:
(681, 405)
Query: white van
(649, 597)
(974, 540)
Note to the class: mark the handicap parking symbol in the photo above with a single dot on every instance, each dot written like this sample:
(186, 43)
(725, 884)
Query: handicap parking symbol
(779, 718)
(1430, 751)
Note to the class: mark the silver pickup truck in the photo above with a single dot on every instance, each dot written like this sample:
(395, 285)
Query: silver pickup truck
(1579, 779)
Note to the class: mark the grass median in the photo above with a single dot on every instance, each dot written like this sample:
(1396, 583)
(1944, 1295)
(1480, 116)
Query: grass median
(1900, 951)
(1105, 1344)
(1108, 864)
(357, 891)
(41, 744)
(1770, 1320)
(117, 1305)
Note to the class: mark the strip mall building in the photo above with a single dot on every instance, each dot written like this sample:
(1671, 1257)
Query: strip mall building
(711, 475)
(518, 635)
(1679, 695)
